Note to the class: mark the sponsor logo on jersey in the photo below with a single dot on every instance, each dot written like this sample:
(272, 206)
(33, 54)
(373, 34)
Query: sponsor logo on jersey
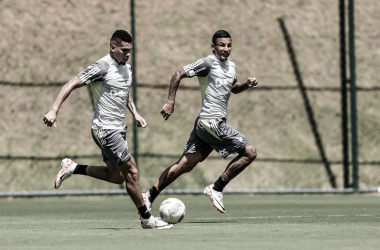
(199, 70)
(117, 92)
(227, 81)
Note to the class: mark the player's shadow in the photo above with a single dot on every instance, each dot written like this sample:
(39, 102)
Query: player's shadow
(309, 109)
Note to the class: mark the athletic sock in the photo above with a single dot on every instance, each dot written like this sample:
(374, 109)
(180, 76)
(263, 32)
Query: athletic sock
(153, 194)
(144, 212)
(80, 169)
(219, 185)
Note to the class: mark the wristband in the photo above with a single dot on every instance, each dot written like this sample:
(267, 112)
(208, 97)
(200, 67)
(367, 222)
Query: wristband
(52, 110)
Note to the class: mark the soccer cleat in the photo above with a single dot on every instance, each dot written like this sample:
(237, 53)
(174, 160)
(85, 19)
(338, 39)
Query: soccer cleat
(67, 169)
(154, 223)
(146, 197)
(215, 197)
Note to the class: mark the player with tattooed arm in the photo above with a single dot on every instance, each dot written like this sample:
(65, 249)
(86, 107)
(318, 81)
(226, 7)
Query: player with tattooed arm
(217, 79)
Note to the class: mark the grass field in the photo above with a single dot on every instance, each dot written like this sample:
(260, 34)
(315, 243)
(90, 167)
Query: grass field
(251, 222)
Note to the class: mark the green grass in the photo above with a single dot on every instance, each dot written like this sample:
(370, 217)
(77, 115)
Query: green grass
(251, 222)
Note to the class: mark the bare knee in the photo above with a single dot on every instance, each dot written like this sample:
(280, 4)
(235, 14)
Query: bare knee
(188, 167)
(128, 171)
(184, 165)
(250, 152)
(179, 168)
(133, 173)
(113, 174)
(188, 163)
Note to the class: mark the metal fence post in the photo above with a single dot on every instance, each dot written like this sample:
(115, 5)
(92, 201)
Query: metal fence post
(343, 71)
(354, 137)
(134, 82)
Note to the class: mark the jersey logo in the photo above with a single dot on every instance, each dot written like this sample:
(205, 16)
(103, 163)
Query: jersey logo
(116, 92)
(199, 70)
(227, 81)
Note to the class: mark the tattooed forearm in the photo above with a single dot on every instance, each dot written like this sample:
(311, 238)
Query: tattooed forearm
(174, 83)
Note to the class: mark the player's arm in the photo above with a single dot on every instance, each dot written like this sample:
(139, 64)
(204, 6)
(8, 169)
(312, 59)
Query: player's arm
(168, 108)
(51, 117)
(132, 108)
(239, 87)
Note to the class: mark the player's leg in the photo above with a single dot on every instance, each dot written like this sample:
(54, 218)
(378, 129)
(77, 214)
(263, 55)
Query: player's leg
(184, 165)
(115, 148)
(106, 173)
(236, 166)
(227, 141)
(131, 176)
(195, 151)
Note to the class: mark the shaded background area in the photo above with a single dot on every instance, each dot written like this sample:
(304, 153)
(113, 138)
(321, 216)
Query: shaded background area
(47, 43)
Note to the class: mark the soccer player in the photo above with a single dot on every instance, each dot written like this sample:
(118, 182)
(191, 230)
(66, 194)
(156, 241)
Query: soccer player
(217, 79)
(110, 79)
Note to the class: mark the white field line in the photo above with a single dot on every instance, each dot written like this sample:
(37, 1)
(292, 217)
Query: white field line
(215, 218)
(291, 216)
(286, 217)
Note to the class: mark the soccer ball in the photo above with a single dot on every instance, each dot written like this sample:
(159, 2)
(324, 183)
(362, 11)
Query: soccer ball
(172, 210)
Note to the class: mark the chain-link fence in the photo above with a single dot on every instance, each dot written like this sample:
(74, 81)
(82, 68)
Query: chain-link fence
(293, 118)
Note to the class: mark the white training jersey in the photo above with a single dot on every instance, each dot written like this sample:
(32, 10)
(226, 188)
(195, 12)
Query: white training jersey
(215, 80)
(110, 84)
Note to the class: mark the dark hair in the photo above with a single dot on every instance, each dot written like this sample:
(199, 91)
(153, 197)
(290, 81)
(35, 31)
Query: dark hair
(121, 35)
(220, 34)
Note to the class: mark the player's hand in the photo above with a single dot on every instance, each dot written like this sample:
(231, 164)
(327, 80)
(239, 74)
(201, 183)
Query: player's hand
(50, 119)
(167, 110)
(140, 121)
(252, 82)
